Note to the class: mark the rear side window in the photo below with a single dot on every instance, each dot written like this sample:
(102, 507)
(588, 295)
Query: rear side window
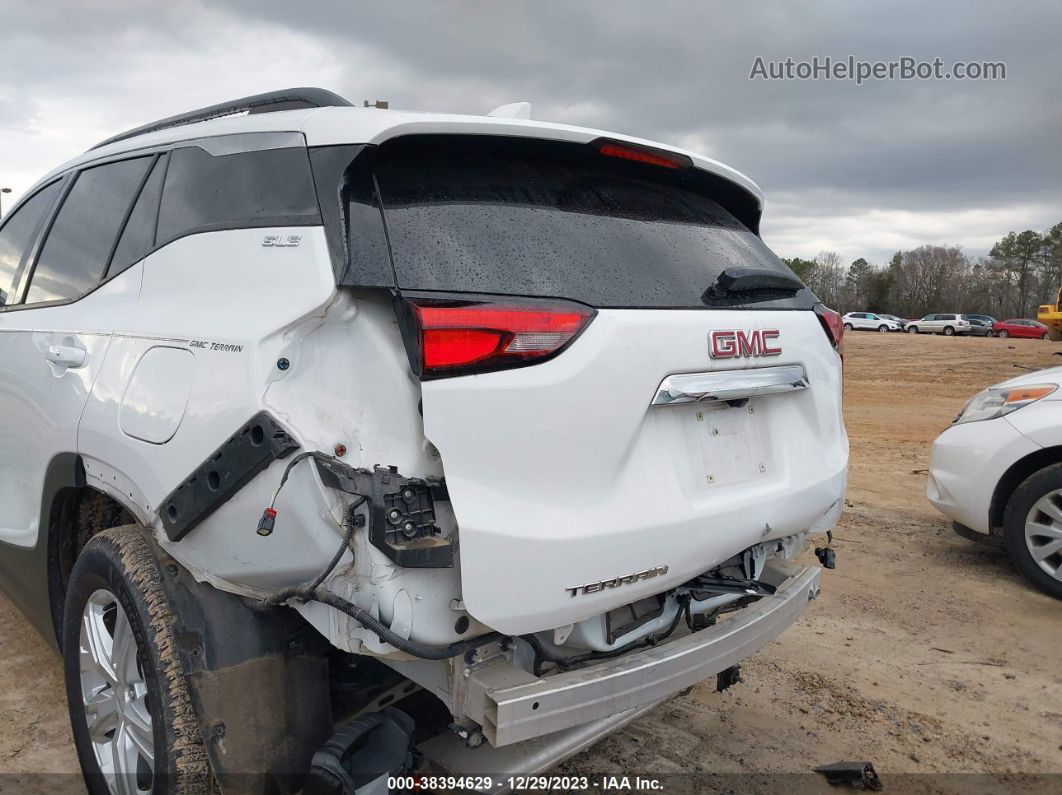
(16, 235)
(560, 220)
(204, 192)
(138, 238)
(79, 244)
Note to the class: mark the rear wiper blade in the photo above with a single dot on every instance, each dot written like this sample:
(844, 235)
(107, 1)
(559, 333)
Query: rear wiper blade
(737, 280)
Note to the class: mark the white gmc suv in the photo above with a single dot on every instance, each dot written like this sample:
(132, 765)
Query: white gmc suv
(307, 410)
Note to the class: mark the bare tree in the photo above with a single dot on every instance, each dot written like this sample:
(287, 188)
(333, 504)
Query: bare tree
(827, 278)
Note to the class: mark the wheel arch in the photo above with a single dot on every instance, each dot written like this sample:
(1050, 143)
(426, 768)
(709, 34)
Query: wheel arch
(71, 512)
(1014, 477)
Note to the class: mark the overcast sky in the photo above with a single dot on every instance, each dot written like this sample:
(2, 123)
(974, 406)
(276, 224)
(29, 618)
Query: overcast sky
(860, 169)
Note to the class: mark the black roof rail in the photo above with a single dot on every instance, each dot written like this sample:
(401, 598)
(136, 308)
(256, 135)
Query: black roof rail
(286, 99)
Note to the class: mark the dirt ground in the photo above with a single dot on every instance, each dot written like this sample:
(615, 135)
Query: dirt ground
(926, 654)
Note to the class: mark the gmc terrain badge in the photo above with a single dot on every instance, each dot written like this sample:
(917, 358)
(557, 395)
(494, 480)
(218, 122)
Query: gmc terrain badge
(616, 582)
(737, 343)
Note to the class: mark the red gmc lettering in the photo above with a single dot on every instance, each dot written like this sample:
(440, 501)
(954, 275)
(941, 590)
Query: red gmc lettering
(743, 344)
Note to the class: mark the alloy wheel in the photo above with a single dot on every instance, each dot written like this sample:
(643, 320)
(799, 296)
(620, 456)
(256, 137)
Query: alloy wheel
(1043, 533)
(115, 696)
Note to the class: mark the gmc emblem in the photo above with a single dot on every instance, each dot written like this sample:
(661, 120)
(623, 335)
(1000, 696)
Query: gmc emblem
(738, 343)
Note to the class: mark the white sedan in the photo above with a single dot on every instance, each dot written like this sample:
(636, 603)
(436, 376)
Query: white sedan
(870, 321)
(997, 471)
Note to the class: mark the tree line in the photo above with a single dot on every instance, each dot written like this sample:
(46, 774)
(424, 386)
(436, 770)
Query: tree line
(1022, 271)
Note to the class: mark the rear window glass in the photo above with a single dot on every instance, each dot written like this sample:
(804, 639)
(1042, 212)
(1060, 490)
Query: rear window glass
(559, 220)
(204, 192)
(78, 246)
(139, 235)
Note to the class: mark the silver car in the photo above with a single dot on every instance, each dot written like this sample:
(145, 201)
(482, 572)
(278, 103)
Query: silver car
(946, 324)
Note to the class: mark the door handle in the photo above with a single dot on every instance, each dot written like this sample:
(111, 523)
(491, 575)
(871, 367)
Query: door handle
(69, 356)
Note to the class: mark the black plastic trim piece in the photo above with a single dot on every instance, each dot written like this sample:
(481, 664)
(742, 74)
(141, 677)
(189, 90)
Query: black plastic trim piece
(129, 214)
(285, 99)
(401, 512)
(256, 445)
(370, 748)
(350, 211)
(258, 682)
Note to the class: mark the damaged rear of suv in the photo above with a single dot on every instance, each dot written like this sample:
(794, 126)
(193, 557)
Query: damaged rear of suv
(517, 425)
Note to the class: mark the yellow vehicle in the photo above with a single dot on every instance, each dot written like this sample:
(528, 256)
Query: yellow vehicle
(1051, 316)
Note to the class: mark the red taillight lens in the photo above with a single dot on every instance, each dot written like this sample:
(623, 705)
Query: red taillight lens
(460, 337)
(834, 326)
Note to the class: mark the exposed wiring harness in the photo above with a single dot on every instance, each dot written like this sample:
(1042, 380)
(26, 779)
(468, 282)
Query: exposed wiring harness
(310, 592)
(543, 655)
(267, 523)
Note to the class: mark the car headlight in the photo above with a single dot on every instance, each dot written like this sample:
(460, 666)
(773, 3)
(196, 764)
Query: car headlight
(998, 402)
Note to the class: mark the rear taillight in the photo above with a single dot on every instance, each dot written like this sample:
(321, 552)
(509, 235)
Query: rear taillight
(448, 337)
(833, 324)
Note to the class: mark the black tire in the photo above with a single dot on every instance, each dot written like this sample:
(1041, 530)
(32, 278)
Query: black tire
(949, 331)
(990, 333)
(911, 329)
(120, 563)
(1004, 333)
(1043, 336)
(1021, 502)
(847, 326)
(883, 329)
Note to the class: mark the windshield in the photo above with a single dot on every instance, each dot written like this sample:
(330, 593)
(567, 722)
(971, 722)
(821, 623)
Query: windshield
(562, 220)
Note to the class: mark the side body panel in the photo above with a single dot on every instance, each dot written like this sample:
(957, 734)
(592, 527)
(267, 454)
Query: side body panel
(239, 308)
(42, 398)
(229, 303)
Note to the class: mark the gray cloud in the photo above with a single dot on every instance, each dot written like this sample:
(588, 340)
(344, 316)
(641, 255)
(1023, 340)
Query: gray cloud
(862, 169)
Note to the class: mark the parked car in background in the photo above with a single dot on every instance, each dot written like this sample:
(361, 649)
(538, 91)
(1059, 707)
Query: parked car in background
(868, 321)
(948, 325)
(1019, 328)
(979, 328)
(987, 319)
(902, 323)
(997, 471)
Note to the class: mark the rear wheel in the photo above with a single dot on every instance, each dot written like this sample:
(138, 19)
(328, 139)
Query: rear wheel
(1043, 336)
(949, 331)
(1004, 333)
(990, 333)
(132, 718)
(912, 329)
(1032, 529)
(847, 326)
(883, 329)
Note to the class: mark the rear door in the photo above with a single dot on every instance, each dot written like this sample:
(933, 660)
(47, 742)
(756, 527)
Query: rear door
(55, 338)
(18, 507)
(563, 295)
